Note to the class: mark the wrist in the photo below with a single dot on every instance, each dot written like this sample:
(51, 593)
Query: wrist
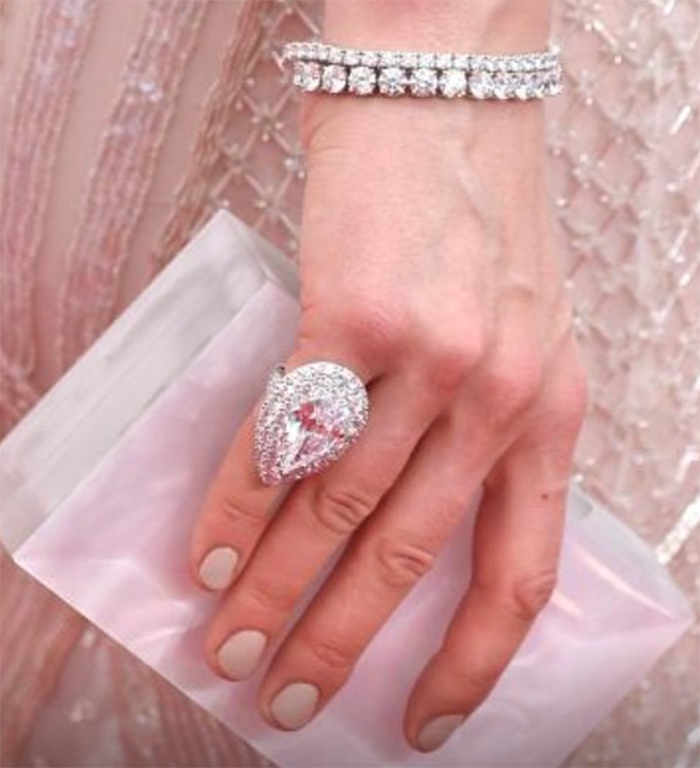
(461, 26)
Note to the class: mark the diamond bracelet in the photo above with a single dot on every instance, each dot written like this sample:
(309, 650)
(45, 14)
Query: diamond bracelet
(331, 69)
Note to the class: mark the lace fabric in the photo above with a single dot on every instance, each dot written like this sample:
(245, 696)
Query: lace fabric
(130, 123)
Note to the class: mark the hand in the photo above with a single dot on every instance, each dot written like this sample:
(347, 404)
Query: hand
(428, 267)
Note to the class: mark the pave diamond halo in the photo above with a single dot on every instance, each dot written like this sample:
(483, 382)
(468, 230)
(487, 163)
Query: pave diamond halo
(308, 418)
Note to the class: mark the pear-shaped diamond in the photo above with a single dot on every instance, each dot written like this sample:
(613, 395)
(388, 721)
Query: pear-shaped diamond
(308, 418)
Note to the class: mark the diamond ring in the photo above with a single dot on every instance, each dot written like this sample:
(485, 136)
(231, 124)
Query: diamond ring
(308, 418)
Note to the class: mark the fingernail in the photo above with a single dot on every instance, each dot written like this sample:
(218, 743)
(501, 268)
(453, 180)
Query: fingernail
(217, 568)
(240, 653)
(295, 705)
(436, 731)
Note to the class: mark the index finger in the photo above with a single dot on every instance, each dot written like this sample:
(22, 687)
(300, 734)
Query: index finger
(238, 505)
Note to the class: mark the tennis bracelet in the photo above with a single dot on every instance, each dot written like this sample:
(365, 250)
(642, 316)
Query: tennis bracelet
(335, 70)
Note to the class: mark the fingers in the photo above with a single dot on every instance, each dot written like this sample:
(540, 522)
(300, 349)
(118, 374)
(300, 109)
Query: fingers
(238, 505)
(382, 563)
(319, 514)
(516, 550)
(515, 563)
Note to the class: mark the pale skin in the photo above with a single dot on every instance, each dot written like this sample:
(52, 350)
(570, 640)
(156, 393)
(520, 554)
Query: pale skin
(429, 267)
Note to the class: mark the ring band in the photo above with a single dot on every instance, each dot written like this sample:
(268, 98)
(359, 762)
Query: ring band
(335, 70)
(308, 418)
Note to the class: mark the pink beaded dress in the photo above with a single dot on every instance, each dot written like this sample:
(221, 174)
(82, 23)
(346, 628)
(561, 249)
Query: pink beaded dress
(125, 125)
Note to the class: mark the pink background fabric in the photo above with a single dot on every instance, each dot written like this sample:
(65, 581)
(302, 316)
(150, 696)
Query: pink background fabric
(126, 124)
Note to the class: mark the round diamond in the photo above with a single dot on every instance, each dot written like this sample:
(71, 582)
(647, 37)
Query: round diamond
(389, 58)
(453, 83)
(554, 88)
(336, 56)
(481, 85)
(334, 78)
(307, 75)
(369, 58)
(362, 80)
(538, 84)
(505, 85)
(524, 90)
(392, 81)
(443, 60)
(424, 82)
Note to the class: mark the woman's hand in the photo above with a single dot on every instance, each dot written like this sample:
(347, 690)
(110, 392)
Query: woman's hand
(428, 267)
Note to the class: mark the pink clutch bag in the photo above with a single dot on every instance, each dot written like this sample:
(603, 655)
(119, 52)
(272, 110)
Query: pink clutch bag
(102, 480)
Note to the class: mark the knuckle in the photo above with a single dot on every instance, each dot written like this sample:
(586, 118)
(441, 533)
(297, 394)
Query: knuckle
(451, 362)
(270, 595)
(341, 509)
(529, 594)
(332, 653)
(373, 327)
(402, 562)
(477, 681)
(569, 403)
(513, 386)
(240, 513)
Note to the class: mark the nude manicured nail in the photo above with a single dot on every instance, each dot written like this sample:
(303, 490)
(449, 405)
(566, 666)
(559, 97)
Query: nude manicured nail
(436, 732)
(239, 655)
(217, 568)
(295, 705)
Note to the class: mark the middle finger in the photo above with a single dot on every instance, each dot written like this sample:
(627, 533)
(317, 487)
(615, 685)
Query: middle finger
(384, 561)
(317, 516)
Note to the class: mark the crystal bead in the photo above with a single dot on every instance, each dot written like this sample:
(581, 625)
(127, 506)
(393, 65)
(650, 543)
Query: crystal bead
(392, 81)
